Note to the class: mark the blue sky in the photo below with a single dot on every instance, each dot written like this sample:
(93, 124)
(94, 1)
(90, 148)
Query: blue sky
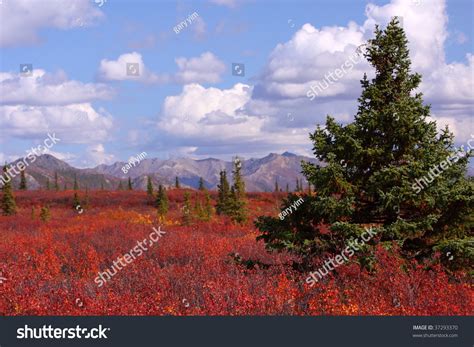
(186, 102)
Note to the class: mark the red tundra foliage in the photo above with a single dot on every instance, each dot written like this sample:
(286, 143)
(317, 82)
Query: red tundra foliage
(50, 267)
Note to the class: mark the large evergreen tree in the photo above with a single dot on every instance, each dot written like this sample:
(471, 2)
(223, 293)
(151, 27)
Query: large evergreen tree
(8, 201)
(372, 169)
(130, 187)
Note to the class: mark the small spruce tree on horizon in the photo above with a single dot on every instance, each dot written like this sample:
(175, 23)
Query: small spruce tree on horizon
(56, 183)
(76, 185)
(8, 203)
(23, 185)
(223, 194)
(149, 186)
(162, 203)
(201, 184)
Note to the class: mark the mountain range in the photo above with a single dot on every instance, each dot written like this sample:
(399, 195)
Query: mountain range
(259, 174)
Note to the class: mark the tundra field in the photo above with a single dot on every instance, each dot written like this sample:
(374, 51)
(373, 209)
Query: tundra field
(49, 265)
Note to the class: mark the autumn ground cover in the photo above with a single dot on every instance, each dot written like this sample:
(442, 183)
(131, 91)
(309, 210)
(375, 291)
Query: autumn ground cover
(49, 267)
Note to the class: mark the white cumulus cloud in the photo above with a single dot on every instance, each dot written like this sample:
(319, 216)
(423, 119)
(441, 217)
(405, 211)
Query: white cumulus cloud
(42, 88)
(128, 66)
(22, 20)
(206, 68)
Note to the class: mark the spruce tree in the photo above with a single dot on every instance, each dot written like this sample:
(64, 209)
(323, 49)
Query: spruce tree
(48, 185)
(130, 184)
(76, 202)
(176, 183)
(287, 188)
(56, 184)
(237, 210)
(22, 180)
(76, 185)
(277, 189)
(149, 186)
(297, 188)
(162, 202)
(120, 186)
(201, 184)
(237, 199)
(373, 169)
(45, 213)
(239, 184)
(8, 201)
(223, 196)
(208, 206)
(198, 208)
